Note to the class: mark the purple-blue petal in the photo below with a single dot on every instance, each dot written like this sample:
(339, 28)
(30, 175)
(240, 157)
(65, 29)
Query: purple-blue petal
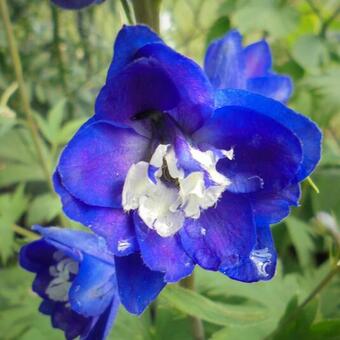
(163, 254)
(260, 265)
(272, 207)
(129, 40)
(223, 235)
(225, 63)
(267, 155)
(93, 288)
(143, 85)
(304, 128)
(75, 4)
(195, 91)
(94, 164)
(138, 286)
(258, 59)
(114, 225)
(273, 86)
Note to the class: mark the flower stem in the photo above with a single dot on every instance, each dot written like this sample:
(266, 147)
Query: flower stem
(147, 12)
(25, 232)
(196, 324)
(127, 10)
(13, 49)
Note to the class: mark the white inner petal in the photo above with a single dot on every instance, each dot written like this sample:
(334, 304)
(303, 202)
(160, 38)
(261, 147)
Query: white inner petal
(59, 286)
(164, 205)
(262, 259)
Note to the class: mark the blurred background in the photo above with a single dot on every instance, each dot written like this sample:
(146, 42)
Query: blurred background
(65, 57)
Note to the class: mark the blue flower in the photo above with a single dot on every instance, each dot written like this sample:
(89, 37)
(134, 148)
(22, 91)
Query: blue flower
(174, 172)
(76, 276)
(229, 65)
(76, 4)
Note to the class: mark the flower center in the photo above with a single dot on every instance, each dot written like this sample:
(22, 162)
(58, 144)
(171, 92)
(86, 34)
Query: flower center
(167, 190)
(61, 282)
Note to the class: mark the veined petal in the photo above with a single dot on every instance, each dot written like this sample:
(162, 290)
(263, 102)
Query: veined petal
(163, 254)
(115, 226)
(258, 59)
(94, 164)
(223, 235)
(129, 40)
(261, 262)
(225, 62)
(138, 286)
(306, 130)
(273, 86)
(267, 155)
(194, 89)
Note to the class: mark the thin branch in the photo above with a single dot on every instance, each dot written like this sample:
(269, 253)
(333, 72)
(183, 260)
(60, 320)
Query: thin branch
(25, 232)
(13, 49)
(196, 324)
(128, 12)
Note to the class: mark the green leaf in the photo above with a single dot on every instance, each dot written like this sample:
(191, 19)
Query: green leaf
(218, 29)
(192, 303)
(325, 329)
(43, 208)
(266, 15)
(68, 130)
(300, 234)
(310, 52)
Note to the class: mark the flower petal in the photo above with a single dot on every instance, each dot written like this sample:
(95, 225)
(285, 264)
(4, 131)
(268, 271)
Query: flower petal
(225, 63)
(261, 263)
(140, 87)
(307, 131)
(222, 236)
(276, 87)
(129, 40)
(272, 207)
(195, 91)
(93, 288)
(94, 164)
(138, 286)
(267, 155)
(112, 224)
(163, 254)
(75, 4)
(258, 59)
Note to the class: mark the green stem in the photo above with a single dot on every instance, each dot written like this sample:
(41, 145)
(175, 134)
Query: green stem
(128, 12)
(196, 324)
(13, 49)
(147, 12)
(57, 47)
(24, 232)
(84, 38)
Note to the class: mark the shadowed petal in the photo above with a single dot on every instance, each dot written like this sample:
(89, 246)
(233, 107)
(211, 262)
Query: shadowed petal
(163, 254)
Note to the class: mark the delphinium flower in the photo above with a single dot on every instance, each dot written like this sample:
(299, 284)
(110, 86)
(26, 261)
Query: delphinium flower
(76, 4)
(76, 276)
(230, 65)
(179, 174)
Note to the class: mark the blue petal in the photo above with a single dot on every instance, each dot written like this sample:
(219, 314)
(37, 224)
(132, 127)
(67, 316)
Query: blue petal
(267, 155)
(225, 63)
(276, 87)
(306, 130)
(195, 91)
(138, 286)
(129, 40)
(272, 207)
(258, 59)
(142, 86)
(75, 4)
(75, 243)
(114, 225)
(261, 263)
(163, 254)
(222, 236)
(94, 287)
(94, 164)
(103, 325)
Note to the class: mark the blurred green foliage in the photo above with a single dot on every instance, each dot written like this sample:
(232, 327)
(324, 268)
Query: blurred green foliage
(65, 57)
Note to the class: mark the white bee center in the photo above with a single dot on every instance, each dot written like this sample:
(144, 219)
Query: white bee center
(164, 194)
(60, 285)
